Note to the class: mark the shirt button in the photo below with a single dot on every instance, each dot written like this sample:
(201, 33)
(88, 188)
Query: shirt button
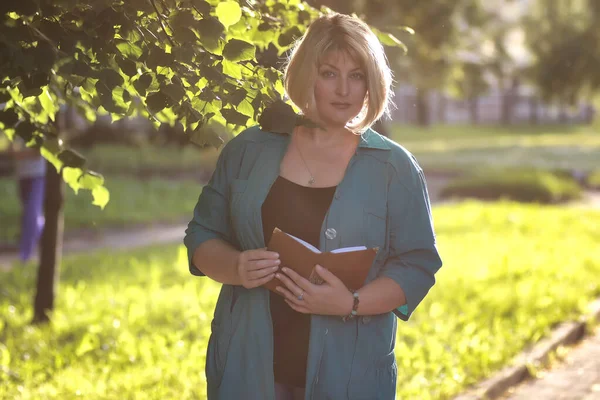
(326, 331)
(330, 233)
(366, 320)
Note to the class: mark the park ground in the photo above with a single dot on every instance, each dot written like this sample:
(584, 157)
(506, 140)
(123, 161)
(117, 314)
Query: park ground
(137, 313)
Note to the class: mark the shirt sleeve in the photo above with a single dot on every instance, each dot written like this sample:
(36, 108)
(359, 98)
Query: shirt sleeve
(211, 213)
(413, 259)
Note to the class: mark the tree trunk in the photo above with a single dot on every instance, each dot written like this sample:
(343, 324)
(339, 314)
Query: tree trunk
(509, 99)
(507, 103)
(442, 107)
(51, 246)
(562, 114)
(474, 110)
(534, 117)
(422, 107)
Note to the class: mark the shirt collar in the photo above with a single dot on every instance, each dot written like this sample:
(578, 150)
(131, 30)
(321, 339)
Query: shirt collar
(371, 140)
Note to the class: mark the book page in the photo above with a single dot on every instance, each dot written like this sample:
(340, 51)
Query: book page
(349, 249)
(305, 244)
(315, 250)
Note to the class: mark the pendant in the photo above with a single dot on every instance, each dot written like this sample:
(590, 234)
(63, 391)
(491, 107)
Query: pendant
(311, 181)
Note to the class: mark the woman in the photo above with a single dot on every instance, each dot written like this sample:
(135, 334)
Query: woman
(339, 185)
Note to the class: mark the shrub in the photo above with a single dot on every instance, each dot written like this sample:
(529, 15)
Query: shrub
(524, 185)
(593, 180)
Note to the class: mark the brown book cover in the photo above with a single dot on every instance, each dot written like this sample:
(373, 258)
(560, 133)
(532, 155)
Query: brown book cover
(351, 267)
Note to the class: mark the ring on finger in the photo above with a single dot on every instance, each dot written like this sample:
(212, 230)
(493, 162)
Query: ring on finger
(301, 296)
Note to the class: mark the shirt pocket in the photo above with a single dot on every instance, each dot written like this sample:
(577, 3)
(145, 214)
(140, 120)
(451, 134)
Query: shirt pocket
(375, 227)
(377, 382)
(220, 338)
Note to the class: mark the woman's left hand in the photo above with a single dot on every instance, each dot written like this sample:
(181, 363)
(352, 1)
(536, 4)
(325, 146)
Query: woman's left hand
(330, 298)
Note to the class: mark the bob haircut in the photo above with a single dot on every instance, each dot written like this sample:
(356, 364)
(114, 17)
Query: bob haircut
(339, 32)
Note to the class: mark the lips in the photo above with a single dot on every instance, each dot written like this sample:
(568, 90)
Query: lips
(341, 105)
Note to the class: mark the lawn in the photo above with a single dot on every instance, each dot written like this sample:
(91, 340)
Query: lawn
(461, 148)
(132, 202)
(134, 325)
(111, 159)
(447, 148)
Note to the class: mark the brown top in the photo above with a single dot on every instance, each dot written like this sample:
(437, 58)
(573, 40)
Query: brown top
(299, 211)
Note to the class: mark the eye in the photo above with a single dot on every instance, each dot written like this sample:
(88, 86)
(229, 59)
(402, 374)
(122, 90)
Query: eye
(327, 73)
(358, 76)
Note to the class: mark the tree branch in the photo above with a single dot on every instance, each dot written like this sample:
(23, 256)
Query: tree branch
(162, 24)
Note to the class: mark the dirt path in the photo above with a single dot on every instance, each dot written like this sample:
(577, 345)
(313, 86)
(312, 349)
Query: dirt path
(576, 378)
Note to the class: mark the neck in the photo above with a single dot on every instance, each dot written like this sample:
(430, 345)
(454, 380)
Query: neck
(328, 137)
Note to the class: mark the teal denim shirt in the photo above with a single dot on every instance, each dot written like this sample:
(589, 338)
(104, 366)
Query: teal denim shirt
(382, 202)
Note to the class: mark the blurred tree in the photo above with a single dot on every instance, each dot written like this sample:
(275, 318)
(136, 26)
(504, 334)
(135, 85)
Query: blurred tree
(440, 27)
(470, 84)
(188, 61)
(565, 40)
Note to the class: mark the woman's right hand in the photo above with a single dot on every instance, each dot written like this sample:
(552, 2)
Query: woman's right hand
(257, 267)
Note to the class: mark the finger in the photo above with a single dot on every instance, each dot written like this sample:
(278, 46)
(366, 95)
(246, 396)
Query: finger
(295, 307)
(289, 295)
(327, 275)
(262, 281)
(261, 264)
(289, 283)
(260, 254)
(261, 273)
(299, 280)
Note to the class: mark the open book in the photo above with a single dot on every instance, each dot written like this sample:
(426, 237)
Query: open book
(350, 264)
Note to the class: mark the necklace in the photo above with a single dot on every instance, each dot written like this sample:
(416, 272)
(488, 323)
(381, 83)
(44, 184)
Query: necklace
(311, 181)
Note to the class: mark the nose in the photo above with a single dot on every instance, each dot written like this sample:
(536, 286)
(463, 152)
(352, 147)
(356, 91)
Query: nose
(342, 86)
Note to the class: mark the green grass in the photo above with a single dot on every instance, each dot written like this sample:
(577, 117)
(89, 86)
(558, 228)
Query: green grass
(132, 201)
(134, 325)
(107, 158)
(463, 148)
(526, 185)
(593, 180)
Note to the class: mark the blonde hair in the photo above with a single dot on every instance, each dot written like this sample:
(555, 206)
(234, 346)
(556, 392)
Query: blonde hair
(342, 33)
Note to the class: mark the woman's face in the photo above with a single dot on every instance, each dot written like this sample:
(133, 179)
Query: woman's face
(340, 89)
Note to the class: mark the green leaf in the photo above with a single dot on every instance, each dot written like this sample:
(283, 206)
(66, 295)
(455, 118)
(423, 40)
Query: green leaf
(71, 158)
(234, 117)
(278, 117)
(202, 6)
(128, 49)
(158, 101)
(142, 83)
(48, 104)
(8, 117)
(245, 107)
(184, 35)
(90, 180)
(229, 13)
(174, 91)
(53, 145)
(71, 176)
(232, 69)
(388, 39)
(237, 96)
(206, 136)
(4, 356)
(288, 37)
(157, 57)
(239, 50)
(128, 67)
(110, 78)
(101, 196)
(25, 130)
(210, 30)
